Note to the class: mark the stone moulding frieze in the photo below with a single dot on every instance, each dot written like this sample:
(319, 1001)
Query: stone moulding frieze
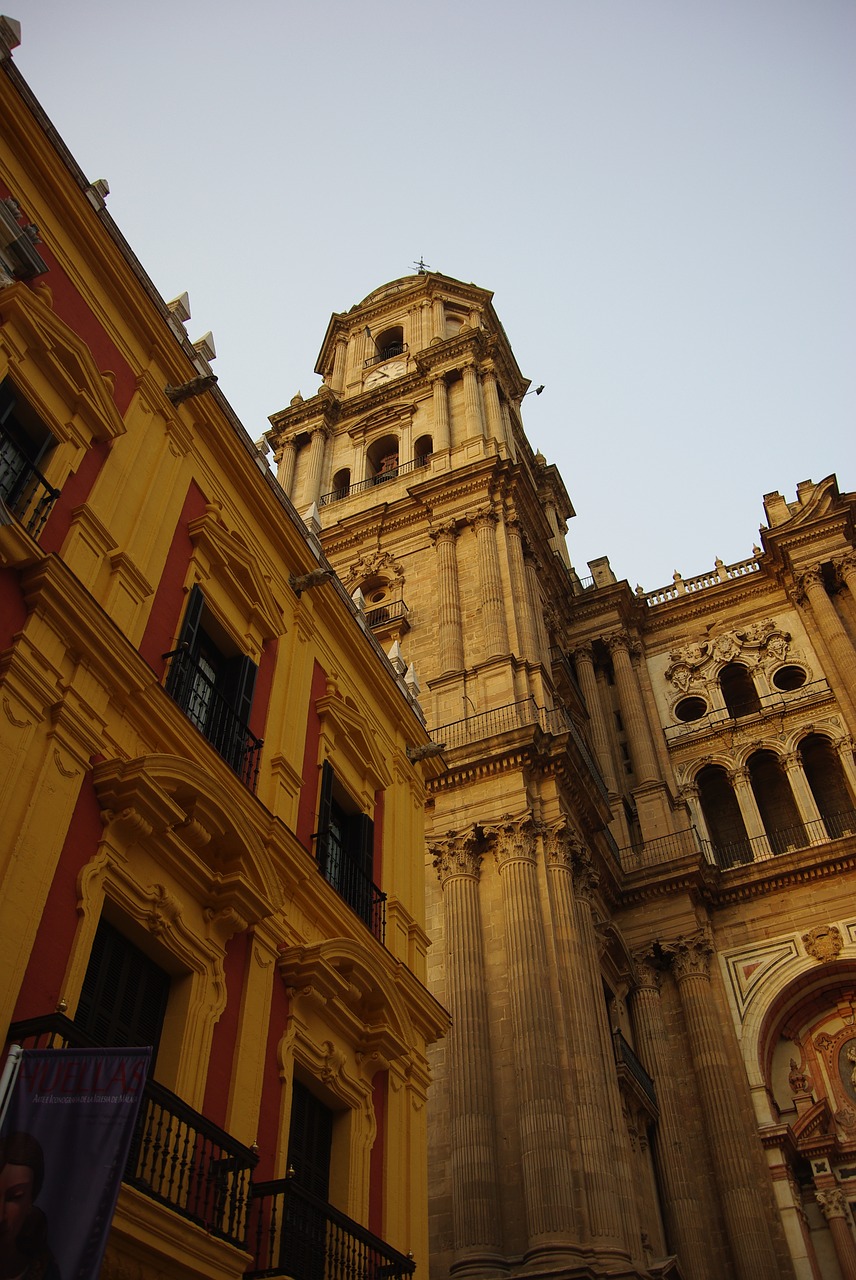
(747, 970)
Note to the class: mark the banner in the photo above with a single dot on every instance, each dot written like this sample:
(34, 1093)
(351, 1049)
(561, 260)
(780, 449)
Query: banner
(63, 1150)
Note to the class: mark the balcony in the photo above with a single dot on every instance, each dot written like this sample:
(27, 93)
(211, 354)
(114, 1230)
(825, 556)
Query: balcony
(388, 353)
(382, 477)
(214, 716)
(738, 853)
(294, 1233)
(632, 1073)
(352, 885)
(178, 1157)
(769, 704)
(23, 488)
(394, 612)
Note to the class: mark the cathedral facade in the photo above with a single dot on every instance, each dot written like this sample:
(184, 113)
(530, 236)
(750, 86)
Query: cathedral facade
(640, 848)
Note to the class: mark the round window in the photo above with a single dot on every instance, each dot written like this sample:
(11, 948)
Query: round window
(378, 596)
(788, 678)
(690, 709)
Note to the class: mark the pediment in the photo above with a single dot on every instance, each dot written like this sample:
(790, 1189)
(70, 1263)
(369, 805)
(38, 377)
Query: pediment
(58, 357)
(207, 837)
(239, 570)
(355, 740)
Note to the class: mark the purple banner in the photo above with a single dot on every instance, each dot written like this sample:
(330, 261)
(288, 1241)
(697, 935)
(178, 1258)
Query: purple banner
(63, 1150)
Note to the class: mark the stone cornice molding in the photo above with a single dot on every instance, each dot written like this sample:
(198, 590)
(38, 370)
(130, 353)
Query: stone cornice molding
(515, 840)
(691, 955)
(456, 855)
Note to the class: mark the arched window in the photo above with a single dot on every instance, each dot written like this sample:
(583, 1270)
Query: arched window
(341, 483)
(422, 450)
(722, 816)
(738, 690)
(389, 343)
(775, 802)
(825, 776)
(382, 457)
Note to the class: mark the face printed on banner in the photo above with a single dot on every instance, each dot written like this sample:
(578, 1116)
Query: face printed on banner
(16, 1204)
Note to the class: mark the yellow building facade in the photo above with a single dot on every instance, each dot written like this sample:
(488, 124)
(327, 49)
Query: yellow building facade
(213, 781)
(639, 860)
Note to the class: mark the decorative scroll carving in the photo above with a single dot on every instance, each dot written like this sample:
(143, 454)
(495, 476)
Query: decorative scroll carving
(377, 565)
(798, 1079)
(456, 855)
(514, 839)
(823, 943)
(833, 1202)
(691, 955)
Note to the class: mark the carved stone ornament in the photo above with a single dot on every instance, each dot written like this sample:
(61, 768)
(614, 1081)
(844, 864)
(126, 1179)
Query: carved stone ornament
(377, 565)
(824, 942)
(645, 970)
(833, 1202)
(691, 955)
(691, 655)
(845, 1118)
(561, 846)
(514, 839)
(797, 1079)
(455, 855)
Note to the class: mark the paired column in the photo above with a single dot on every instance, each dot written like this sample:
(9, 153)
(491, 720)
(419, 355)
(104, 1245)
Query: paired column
(832, 631)
(317, 448)
(442, 434)
(577, 958)
(526, 635)
(833, 1206)
(546, 1170)
(476, 1224)
(439, 318)
(493, 602)
(533, 592)
(805, 801)
(495, 425)
(745, 1211)
(583, 657)
(685, 1213)
(472, 402)
(285, 459)
(748, 805)
(633, 709)
(337, 380)
(449, 633)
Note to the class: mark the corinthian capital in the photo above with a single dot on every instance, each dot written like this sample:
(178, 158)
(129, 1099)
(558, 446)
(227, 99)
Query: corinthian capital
(455, 855)
(622, 640)
(691, 955)
(562, 846)
(446, 532)
(514, 839)
(833, 1202)
(646, 971)
(811, 577)
(484, 518)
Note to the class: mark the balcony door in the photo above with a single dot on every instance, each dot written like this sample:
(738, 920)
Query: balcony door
(303, 1250)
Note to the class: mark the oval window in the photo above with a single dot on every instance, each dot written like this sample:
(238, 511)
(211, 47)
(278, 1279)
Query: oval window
(788, 678)
(690, 709)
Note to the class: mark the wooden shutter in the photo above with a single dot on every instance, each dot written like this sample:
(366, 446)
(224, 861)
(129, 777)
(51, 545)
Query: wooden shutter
(322, 835)
(239, 681)
(310, 1141)
(124, 995)
(192, 618)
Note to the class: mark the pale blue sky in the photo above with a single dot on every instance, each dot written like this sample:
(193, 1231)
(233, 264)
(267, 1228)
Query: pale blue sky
(660, 193)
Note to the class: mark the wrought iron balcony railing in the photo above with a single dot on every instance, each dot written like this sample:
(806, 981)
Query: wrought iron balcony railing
(294, 1233)
(388, 353)
(336, 495)
(775, 703)
(746, 849)
(626, 1057)
(394, 611)
(214, 716)
(354, 886)
(23, 488)
(178, 1157)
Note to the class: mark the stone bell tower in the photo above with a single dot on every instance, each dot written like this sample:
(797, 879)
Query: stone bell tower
(433, 505)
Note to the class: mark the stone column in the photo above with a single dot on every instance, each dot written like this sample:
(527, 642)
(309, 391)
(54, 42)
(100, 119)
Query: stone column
(426, 327)
(752, 821)
(526, 634)
(449, 633)
(805, 801)
(476, 1222)
(472, 402)
(633, 709)
(442, 436)
(684, 1212)
(745, 1210)
(337, 380)
(546, 1182)
(592, 1141)
(285, 459)
(493, 602)
(509, 429)
(833, 1206)
(844, 750)
(495, 425)
(836, 639)
(439, 318)
(583, 656)
(315, 469)
(688, 792)
(533, 592)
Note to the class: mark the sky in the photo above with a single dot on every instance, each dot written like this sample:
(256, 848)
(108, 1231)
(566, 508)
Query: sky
(660, 194)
